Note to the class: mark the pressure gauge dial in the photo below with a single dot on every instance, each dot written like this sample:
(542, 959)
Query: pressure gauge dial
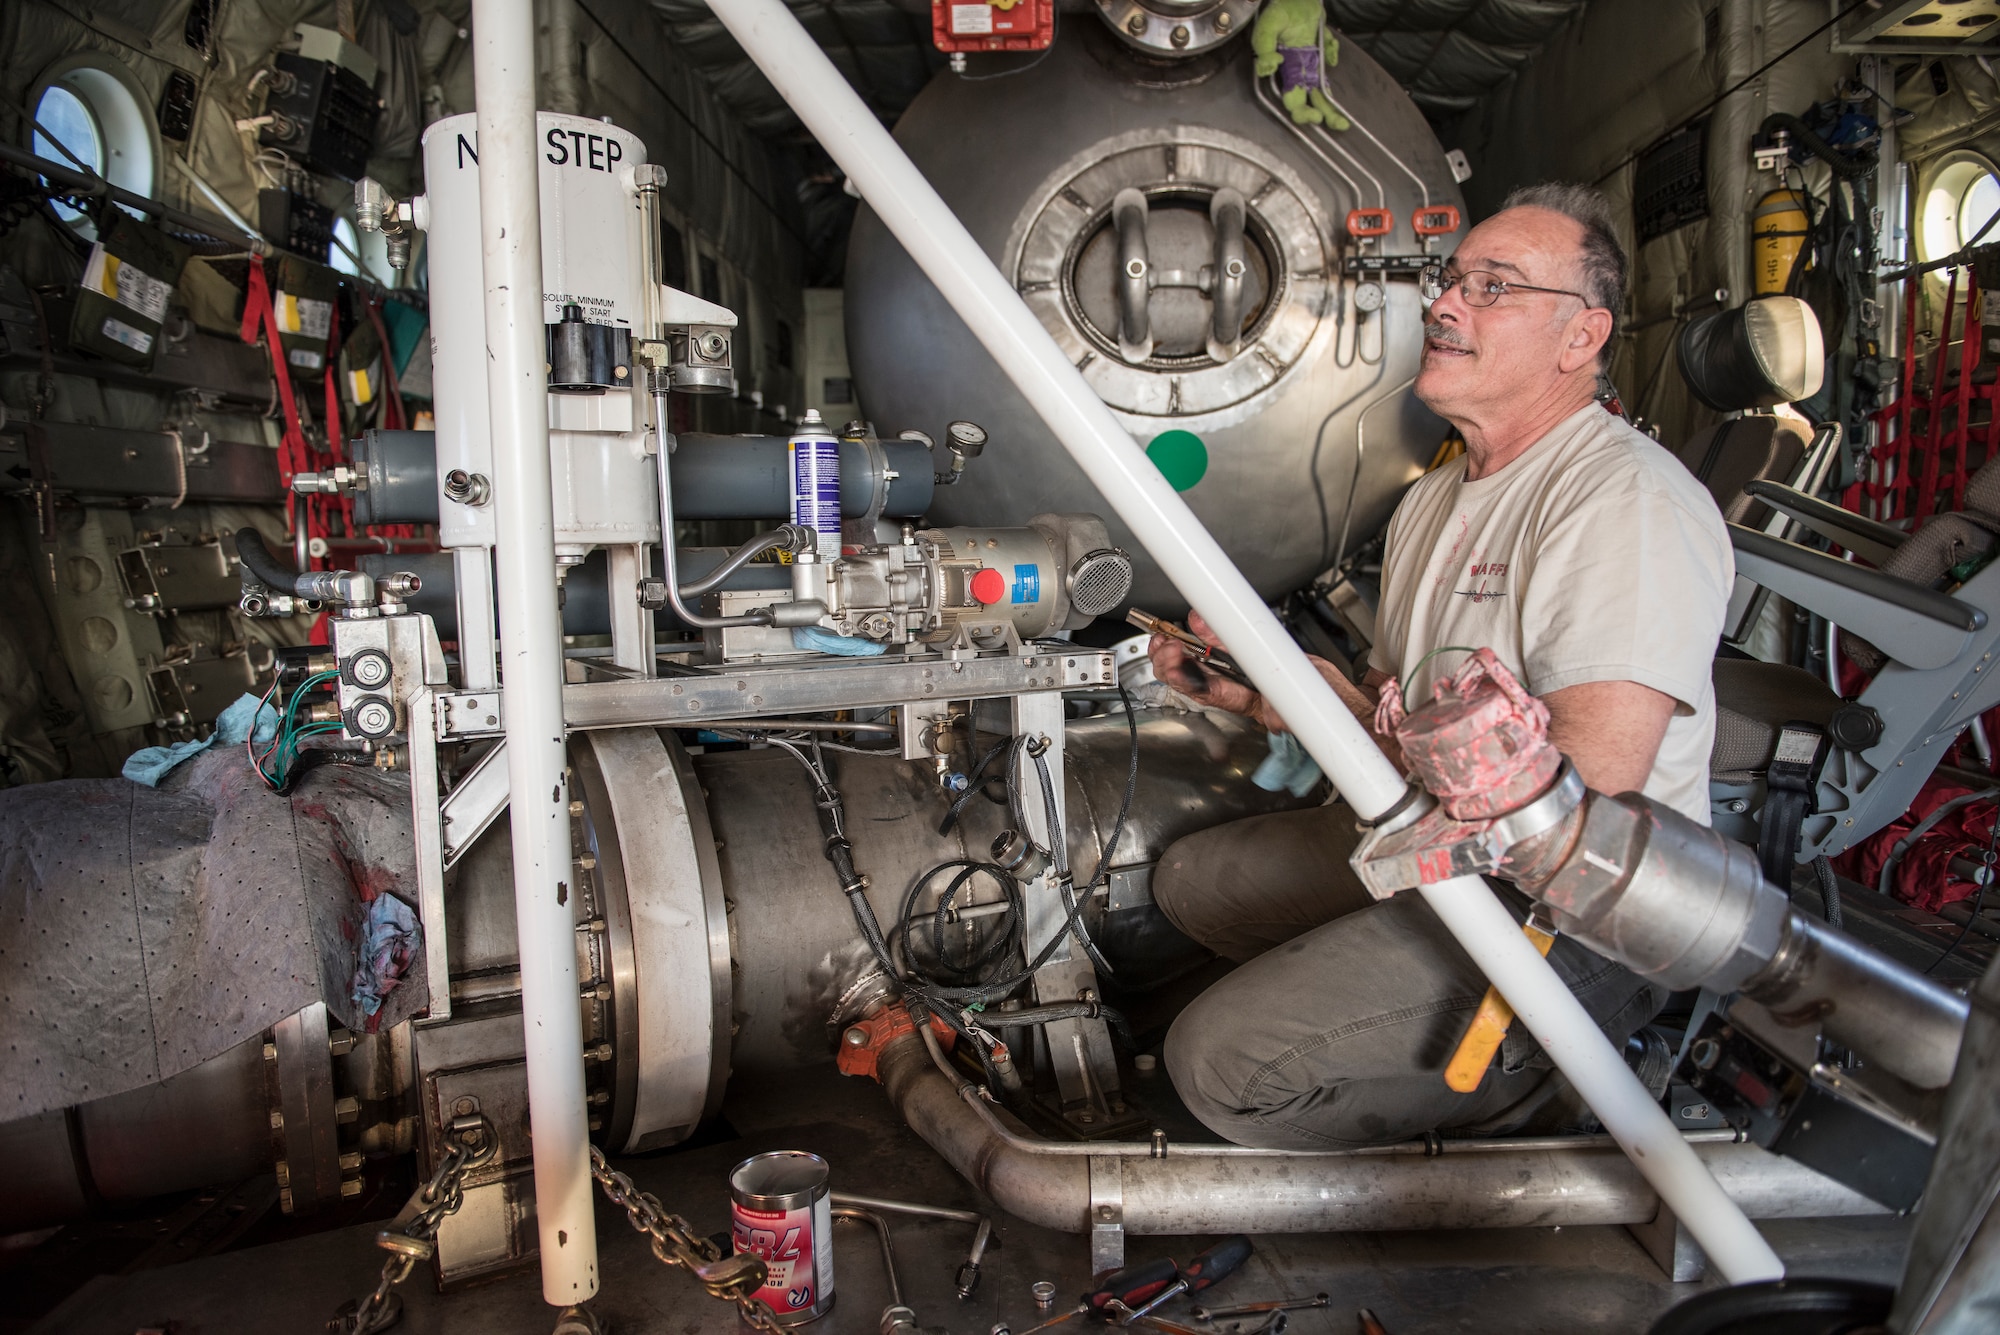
(1368, 298)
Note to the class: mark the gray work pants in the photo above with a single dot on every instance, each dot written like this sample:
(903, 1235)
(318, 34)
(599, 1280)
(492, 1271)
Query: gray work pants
(1336, 1030)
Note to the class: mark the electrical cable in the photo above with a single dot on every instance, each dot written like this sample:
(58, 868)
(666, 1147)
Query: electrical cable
(1978, 898)
(1055, 30)
(951, 1000)
(1924, 827)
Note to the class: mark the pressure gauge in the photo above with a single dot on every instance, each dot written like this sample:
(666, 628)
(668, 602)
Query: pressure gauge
(1368, 298)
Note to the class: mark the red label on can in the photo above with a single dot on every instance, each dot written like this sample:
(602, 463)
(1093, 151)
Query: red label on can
(796, 1247)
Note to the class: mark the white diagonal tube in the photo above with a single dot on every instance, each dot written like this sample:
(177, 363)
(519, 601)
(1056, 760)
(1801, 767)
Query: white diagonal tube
(510, 236)
(948, 255)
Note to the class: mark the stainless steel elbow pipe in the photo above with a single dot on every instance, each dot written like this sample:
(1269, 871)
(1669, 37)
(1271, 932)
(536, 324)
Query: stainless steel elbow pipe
(1226, 1189)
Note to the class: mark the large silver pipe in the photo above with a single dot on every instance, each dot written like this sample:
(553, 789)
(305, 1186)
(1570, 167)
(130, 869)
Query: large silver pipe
(1394, 1187)
(1890, 1014)
(1688, 907)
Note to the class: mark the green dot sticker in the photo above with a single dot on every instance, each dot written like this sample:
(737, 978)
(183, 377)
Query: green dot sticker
(1180, 456)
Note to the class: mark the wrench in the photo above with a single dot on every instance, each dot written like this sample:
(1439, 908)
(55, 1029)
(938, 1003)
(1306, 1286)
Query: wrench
(1252, 1309)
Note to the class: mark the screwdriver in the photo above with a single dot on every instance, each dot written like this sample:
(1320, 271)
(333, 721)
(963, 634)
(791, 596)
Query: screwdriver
(1125, 1288)
(1205, 1271)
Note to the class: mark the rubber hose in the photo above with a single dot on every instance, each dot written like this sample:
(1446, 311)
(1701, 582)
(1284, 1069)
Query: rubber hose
(786, 537)
(1846, 167)
(257, 559)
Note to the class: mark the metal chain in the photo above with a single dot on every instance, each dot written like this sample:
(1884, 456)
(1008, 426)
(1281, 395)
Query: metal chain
(731, 1278)
(410, 1236)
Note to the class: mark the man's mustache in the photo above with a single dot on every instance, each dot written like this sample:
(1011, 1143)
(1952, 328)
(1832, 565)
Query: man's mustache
(1437, 331)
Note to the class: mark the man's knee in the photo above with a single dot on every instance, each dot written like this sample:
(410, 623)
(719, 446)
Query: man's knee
(1207, 1059)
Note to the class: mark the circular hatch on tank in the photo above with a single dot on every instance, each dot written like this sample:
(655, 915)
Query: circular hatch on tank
(1182, 270)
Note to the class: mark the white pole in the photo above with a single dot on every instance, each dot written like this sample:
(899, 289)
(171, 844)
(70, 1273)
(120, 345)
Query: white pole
(510, 234)
(946, 252)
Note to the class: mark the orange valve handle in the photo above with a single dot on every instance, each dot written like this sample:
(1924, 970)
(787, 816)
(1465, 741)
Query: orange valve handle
(1366, 224)
(1435, 220)
(1489, 1027)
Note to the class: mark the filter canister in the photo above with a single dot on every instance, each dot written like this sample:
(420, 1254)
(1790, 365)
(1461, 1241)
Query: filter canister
(780, 1211)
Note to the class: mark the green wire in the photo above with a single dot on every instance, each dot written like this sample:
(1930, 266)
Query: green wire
(285, 745)
(1404, 684)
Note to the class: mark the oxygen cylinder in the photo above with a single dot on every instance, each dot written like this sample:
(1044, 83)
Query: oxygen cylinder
(1778, 230)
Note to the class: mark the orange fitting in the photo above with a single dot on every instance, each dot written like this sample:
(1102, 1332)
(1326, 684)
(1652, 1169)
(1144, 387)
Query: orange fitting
(863, 1042)
(1437, 220)
(1366, 223)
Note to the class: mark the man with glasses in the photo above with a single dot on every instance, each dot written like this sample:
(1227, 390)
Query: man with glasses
(1598, 569)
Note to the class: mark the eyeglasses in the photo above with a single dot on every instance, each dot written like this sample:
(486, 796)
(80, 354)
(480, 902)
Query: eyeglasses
(1480, 288)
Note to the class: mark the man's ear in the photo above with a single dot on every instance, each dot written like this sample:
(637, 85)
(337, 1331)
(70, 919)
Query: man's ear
(1589, 330)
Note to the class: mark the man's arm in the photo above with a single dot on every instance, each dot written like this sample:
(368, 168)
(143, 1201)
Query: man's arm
(1610, 730)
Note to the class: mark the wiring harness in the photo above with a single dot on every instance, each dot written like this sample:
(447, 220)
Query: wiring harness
(279, 764)
(957, 992)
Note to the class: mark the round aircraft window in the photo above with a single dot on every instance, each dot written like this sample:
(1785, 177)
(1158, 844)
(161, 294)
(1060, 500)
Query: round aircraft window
(92, 114)
(1960, 198)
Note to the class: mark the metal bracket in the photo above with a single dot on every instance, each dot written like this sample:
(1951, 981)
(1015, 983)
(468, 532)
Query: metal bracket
(470, 714)
(1436, 848)
(1667, 1240)
(1107, 1213)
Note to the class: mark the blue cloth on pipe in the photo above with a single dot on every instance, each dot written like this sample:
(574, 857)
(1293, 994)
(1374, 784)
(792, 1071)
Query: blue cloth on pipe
(826, 642)
(232, 728)
(1288, 767)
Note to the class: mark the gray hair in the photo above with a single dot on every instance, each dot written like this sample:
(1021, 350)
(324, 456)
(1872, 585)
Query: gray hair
(1602, 266)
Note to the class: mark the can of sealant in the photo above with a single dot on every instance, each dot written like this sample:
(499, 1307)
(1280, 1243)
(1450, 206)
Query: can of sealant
(815, 460)
(780, 1210)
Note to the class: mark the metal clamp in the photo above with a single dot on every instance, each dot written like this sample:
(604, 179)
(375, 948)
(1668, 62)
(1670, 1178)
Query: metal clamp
(1434, 847)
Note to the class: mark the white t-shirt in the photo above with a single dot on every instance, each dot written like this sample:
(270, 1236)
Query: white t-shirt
(1594, 556)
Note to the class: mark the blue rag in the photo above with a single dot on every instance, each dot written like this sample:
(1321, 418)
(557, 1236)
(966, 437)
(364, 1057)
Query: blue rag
(826, 642)
(390, 939)
(151, 764)
(1288, 767)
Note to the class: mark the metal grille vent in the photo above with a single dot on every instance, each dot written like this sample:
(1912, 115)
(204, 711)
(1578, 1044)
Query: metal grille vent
(1100, 581)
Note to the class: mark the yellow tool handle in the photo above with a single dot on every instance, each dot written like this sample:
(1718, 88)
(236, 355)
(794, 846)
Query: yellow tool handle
(1489, 1027)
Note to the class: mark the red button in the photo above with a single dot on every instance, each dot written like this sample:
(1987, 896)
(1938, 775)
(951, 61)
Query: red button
(989, 586)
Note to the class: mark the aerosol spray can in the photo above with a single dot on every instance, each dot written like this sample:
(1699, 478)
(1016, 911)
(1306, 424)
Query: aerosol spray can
(780, 1210)
(815, 459)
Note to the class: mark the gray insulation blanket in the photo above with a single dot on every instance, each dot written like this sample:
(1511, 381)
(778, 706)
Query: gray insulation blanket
(143, 931)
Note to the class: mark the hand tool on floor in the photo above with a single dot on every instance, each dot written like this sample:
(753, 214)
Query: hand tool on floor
(1215, 660)
(1205, 1271)
(1121, 1290)
(1369, 1325)
(1124, 1316)
(1489, 1023)
(1252, 1309)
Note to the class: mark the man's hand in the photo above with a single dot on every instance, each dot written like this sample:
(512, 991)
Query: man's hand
(1175, 666)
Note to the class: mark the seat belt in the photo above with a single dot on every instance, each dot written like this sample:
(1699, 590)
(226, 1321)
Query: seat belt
(1791, 783)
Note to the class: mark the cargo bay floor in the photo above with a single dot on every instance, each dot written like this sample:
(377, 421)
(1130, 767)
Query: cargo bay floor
(1495, 1282)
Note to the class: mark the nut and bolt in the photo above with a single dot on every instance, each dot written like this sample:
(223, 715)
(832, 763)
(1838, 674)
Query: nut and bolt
(1044, 1293)
(1181, 35)
(857, 1037)
(1136, 25)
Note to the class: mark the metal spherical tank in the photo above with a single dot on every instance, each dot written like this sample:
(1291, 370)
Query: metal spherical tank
(1183, 241)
